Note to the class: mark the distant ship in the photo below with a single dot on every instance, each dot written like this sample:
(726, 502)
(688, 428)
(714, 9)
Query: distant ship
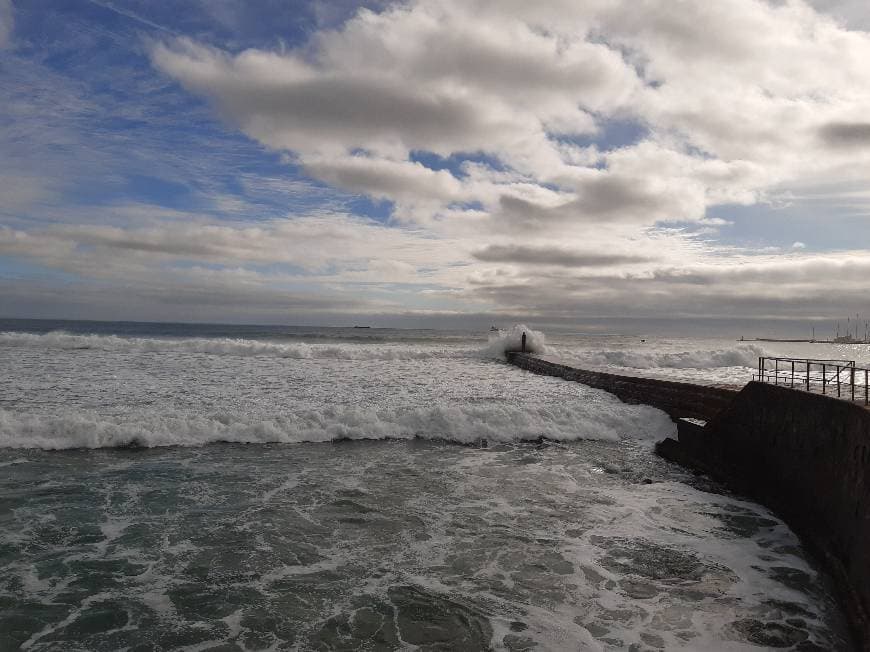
(494, 329)
(362, 326)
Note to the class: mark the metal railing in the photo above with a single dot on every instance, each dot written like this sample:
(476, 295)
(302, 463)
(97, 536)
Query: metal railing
(824, 376)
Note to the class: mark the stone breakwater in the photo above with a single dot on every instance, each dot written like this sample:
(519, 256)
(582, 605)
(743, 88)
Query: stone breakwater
(675, 398)
(805, 456)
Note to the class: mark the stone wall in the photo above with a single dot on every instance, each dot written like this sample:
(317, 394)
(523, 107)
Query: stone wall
(677, 399)
(807, 457)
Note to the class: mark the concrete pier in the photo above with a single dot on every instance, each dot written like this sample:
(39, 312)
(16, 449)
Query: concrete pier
(675, 398)
(804, 455)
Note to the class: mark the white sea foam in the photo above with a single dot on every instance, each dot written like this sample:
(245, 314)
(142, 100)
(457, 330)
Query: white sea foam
(99, 396)
(506, 340)
(740, 356)
(20, 460)
(606, 418)
(60, 340)
(585, 531)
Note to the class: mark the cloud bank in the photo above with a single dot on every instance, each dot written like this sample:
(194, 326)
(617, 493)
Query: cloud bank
(556, 159)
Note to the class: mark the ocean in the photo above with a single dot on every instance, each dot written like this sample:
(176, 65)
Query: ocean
(211, 487)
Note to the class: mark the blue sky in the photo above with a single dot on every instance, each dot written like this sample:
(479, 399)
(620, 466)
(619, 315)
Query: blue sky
(152, 142)
(313, 162)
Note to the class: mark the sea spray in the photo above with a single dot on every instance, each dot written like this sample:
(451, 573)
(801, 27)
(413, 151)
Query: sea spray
(740, 356)
(512, 339)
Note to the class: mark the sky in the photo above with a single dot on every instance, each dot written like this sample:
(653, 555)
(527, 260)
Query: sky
(599, 165)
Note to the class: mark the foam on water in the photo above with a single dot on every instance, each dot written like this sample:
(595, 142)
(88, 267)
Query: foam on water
(605, 419)
(700, 360)
(105, 391)
(59, 340)
(582, 539)
(394, 546)
(738, 356)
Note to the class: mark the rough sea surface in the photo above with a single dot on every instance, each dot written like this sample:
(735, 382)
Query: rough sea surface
(252, 488)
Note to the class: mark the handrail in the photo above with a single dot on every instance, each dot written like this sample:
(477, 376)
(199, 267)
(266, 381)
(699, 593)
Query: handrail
(840, 361)
(810, 374)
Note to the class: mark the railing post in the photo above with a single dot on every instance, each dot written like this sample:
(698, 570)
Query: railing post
(852, 378)
(791, 378)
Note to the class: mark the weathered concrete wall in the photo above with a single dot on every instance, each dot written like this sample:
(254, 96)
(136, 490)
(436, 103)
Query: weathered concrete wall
(677, 399)
(807, 457)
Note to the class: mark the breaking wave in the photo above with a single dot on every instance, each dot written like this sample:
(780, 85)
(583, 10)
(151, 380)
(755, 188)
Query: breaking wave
(506, 340)
(227, 346)
(603, 419)
(511, 340)
(740, 356)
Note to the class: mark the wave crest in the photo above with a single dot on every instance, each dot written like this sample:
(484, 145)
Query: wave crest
(595, 418)
(225, 346)
(740, 356)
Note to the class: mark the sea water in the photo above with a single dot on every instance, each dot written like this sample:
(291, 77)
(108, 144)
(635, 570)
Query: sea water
(252, 488)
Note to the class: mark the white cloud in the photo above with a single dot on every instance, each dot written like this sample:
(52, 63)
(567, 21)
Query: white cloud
(733, 102)
(388, 179)
(738, 96)
(760, 286)
(320, 248)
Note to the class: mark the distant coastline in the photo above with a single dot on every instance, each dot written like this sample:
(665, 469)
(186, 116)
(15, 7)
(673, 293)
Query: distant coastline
(774, 339)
